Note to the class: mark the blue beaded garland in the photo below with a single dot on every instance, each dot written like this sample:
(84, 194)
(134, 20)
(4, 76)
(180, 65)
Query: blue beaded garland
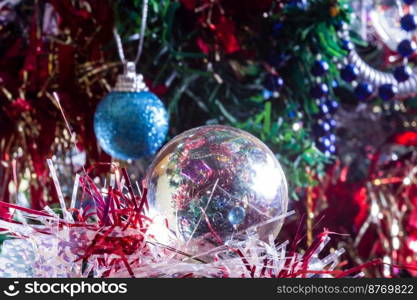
(409, 22)
(406, 48)
(402, 73)
(387, 91)
(363, 91)
(130, 125)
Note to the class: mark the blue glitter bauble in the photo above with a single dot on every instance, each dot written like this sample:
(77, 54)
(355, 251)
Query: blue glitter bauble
(409, 22)
(409, 2)
(130, 125)
(363, 91)
(406, 48)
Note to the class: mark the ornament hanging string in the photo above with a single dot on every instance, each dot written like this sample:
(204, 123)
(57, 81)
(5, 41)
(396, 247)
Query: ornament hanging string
(118, 39)
(119, 134)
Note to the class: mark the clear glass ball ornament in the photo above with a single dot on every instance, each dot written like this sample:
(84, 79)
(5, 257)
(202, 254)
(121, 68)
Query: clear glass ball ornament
(215, 182)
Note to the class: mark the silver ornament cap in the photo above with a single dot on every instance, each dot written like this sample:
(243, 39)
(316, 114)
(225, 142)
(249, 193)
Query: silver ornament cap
(130, 81)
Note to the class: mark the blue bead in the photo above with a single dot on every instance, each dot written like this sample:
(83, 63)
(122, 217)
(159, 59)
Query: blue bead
(402, 73)
(331, 122)
(277, 29)
(330, 151)
(325, 141)
(300, 4)
(323, 144)
(266, 94)
(236, 215)
(387, 91)
(339, 24)
(409, 22)
(273, 82)
(321, 128)
(349, 73)
(363, 91)
(406, 48)
(347, 45)
(323, 109)
(221, 203)
(326, 144)
(319, 90)
(319, 68)
(292, 114)
(332, 105)
(130, 125)
(326, 126)
(277, 60)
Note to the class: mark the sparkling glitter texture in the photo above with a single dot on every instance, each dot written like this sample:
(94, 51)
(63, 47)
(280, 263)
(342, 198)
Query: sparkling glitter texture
(130, 125)
(217, 181)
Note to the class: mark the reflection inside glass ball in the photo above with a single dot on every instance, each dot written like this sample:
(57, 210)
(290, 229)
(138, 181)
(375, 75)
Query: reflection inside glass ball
(236, 215)
(214, 182)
